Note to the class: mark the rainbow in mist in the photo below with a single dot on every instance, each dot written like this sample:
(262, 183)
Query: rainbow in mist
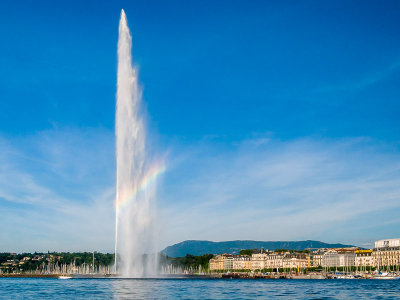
(152, 174)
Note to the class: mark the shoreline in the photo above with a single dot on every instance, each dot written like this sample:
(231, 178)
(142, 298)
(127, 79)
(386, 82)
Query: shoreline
(187, 276)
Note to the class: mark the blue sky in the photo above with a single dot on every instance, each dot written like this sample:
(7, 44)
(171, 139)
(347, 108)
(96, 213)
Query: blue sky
(279, 119)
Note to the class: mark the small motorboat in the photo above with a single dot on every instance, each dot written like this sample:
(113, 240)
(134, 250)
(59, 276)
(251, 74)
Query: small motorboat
(64, 277)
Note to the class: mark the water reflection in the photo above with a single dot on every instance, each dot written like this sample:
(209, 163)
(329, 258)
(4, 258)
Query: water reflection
(34, 288)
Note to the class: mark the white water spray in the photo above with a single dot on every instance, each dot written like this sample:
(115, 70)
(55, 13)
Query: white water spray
(135, 241)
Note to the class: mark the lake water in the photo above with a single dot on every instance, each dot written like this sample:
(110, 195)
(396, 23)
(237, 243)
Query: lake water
(51, 288)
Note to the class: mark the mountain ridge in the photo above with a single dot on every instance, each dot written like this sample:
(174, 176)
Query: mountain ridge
(201, 247)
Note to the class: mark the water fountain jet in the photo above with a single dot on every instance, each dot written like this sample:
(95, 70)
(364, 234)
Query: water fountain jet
(135, 239)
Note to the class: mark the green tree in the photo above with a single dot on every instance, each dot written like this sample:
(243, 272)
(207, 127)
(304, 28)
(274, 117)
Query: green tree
(246, 252)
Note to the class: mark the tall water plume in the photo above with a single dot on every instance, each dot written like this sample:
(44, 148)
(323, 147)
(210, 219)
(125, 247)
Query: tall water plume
(135, 240)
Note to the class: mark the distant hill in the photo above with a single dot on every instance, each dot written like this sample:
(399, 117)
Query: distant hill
(233, 247)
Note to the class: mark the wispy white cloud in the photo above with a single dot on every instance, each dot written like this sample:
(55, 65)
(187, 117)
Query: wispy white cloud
(331, 190)
(57, 191)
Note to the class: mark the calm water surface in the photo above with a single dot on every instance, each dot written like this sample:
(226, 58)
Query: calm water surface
(52, 288)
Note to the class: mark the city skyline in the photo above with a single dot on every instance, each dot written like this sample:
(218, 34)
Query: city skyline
(275, 121)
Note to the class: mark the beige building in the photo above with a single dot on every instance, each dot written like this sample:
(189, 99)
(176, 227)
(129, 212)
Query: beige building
(316, 257)
(343, 257)
(258, 261)
(217, 262)
(294, 260)
(242, 262)
(228, 262)
(364, 258)
(274, 260)
(387, 253)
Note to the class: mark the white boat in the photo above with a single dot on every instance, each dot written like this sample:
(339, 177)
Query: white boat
(346, 276)
(385, 276)
(64, 277)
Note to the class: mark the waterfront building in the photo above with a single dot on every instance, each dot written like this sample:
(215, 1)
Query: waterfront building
(242, 262)
(364, 258)
(343, 257)
(274, 260)
(387, 243)
(294, 260)
(316, 257)
(347, 258)
(330, 258)
(217, 262)
(387, 253)
(258, 261)
(228, 262)
(339, 257)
